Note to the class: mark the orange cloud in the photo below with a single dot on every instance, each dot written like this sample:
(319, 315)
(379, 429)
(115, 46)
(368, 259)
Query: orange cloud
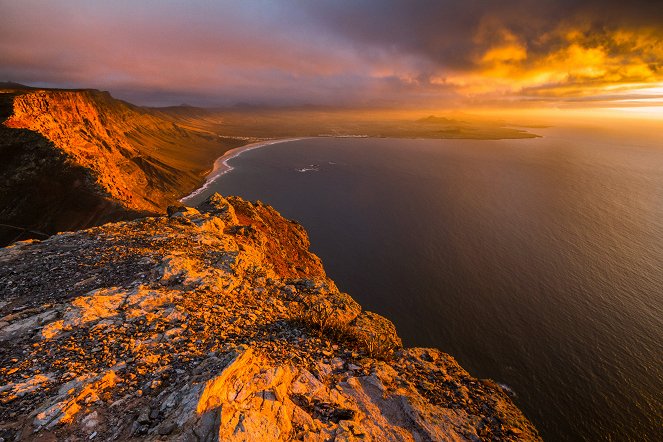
(582, 63)
(341, 52)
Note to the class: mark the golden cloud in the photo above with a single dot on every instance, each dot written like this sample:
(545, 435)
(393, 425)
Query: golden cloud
(567, 63)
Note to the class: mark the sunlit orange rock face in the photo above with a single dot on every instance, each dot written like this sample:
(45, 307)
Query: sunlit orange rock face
(216, 323)
(139, 159)
(72, 159)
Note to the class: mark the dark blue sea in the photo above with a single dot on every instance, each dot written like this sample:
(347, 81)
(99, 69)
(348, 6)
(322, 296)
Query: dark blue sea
(537, 263)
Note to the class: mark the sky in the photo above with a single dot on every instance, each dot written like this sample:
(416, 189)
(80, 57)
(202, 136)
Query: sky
(563, 54)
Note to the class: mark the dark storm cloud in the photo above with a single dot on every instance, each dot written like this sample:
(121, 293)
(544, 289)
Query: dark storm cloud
(339, 52)
(449, 33)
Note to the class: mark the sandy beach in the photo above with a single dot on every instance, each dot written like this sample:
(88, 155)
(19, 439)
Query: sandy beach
(221, 165)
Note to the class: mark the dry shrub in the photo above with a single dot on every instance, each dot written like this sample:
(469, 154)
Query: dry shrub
(376, 335)
(377, 345)
(368, 332)
(317, 313)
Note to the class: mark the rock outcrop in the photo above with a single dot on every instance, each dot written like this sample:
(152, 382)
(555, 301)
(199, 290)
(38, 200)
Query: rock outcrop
(70, 159)
(216, 323)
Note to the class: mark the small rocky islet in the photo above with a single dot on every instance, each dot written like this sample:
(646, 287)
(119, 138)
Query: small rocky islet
(216, 323)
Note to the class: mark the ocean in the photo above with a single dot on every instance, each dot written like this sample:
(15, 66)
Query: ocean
(537, 263)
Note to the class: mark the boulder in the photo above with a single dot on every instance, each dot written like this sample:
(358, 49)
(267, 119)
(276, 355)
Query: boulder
(221, 207)
(181, 211)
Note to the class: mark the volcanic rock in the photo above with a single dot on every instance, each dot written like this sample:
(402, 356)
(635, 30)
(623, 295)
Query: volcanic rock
(216, 324)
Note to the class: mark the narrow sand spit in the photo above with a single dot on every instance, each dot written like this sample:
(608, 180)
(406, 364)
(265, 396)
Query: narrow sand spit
(221, 165)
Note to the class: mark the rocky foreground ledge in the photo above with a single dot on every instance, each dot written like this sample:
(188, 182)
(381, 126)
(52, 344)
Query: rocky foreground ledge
(216, 324)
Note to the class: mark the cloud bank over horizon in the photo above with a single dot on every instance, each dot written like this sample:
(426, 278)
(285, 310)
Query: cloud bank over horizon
(385, 53)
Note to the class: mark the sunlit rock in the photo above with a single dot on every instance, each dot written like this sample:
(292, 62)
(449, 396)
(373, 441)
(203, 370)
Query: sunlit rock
(219, 324)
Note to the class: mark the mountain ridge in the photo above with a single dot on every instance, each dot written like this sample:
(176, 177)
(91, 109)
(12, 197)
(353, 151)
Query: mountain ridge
(119, 160)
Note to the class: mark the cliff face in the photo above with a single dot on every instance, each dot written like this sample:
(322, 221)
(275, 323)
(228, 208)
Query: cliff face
(216, 324)
(115, 159)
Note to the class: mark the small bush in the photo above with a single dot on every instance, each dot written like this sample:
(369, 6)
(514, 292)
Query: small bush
(379, 345)
(376, 335)
(368, 332)
(318, 313)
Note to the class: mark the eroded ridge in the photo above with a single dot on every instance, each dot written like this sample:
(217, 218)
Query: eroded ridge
(216, 323)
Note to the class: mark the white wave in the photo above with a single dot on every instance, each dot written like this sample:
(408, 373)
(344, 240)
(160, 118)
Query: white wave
(222, 167)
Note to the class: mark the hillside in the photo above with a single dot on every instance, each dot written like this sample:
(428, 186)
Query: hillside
(74, 158)
(216, 324)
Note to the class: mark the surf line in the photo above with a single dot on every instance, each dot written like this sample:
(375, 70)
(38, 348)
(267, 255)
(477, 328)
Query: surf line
(222, 167)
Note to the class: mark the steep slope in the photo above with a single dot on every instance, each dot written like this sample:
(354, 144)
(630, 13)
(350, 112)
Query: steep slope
(42, 191)
(216, 324)
(124, 159)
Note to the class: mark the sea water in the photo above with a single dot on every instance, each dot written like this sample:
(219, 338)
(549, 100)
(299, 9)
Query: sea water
(537, 263)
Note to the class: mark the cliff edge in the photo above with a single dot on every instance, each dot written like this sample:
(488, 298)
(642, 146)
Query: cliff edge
(71, 159)
(216, 323)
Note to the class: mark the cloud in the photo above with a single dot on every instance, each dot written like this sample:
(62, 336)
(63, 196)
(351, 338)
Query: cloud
(539, 48)
(341, 52)
(581, 63)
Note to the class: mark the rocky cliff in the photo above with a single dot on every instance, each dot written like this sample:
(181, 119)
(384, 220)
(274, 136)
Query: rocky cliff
(75, 158)
(216, 323)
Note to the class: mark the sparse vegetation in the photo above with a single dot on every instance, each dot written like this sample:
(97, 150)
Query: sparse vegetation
(217, 320)
(321, 316)
(378, 345)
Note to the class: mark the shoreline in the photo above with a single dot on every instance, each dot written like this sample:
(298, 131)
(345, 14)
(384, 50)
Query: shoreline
(222, 167)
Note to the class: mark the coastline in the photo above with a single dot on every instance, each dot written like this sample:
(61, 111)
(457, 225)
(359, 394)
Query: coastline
(222, 167)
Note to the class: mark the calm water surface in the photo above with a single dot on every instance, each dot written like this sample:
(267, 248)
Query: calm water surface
(537, 263)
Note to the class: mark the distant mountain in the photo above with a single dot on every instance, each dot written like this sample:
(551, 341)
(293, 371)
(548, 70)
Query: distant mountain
(74, 158)
(437, 120)
(7, 85)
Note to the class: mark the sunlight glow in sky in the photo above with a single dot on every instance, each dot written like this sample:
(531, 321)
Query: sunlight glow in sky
(387, 53)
